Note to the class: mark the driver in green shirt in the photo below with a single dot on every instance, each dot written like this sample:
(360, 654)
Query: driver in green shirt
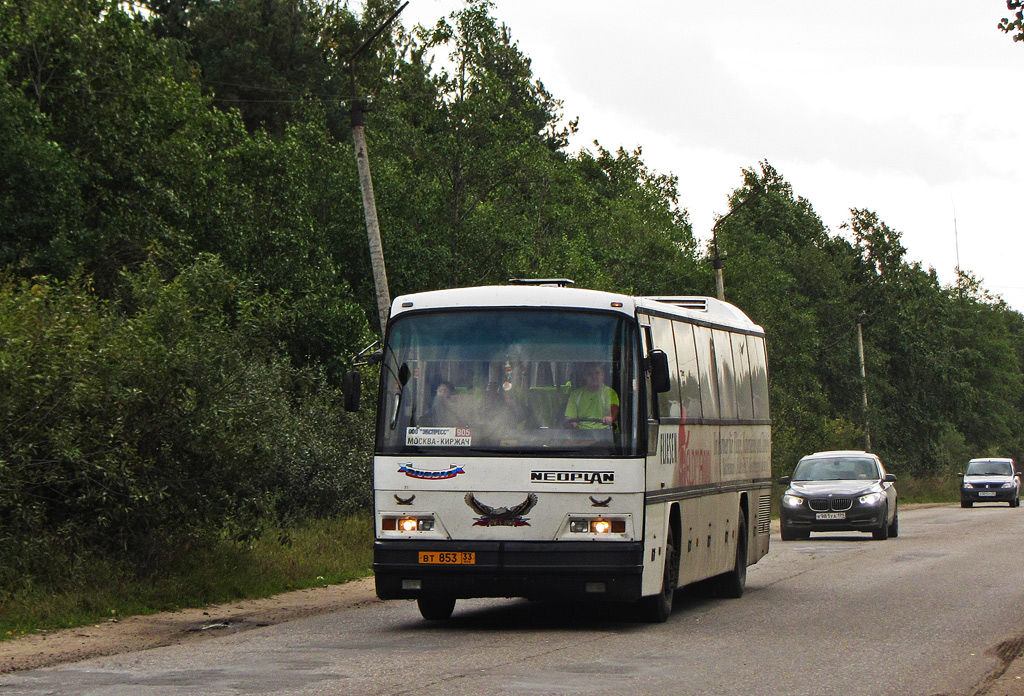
(593, 405)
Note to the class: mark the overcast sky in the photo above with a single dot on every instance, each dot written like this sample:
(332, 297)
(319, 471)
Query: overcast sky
(912, 110)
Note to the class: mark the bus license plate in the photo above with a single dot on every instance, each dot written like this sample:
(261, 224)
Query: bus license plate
(830, 516)
(448, 557)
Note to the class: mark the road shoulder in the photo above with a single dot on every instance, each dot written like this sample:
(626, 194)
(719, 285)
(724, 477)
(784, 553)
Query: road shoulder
(136, 633)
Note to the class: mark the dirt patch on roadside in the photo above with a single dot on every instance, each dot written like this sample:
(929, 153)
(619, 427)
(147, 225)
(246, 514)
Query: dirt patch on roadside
(171, 628)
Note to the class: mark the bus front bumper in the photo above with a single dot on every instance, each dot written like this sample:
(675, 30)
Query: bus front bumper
(595, 570)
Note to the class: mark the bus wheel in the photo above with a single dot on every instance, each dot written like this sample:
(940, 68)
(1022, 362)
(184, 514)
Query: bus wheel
(656, 608)
(436, 608)
(732, 583)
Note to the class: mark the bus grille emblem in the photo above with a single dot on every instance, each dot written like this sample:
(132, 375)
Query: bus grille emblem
(501, 516)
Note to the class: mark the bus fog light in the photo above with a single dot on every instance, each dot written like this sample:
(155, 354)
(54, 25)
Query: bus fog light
(412, 584)
(595, 587)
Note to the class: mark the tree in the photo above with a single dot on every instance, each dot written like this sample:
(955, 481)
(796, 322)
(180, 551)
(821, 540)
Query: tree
(39, 184)
(1014, 25)
(785, 271)
(262, 58)
(483, 152)
(132, 128)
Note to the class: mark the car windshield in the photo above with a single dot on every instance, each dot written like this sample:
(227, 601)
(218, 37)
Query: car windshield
(835, 469)
(987, 467)
(510, 382)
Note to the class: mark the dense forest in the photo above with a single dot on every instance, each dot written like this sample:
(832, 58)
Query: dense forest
(184, 267)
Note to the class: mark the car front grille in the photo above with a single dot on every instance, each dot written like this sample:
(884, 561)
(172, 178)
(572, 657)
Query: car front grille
(827, 504)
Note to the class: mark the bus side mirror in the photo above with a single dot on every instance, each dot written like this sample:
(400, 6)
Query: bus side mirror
(661, 381)
(352, 388)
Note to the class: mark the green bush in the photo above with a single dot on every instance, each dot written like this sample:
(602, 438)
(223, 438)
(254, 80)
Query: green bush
(167, 421)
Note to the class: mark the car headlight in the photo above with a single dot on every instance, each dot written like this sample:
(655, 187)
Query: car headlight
(792, 501)
(870, 499)
(966, 485)
(1008, 484)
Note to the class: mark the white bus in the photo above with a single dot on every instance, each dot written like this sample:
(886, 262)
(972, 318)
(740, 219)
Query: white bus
(536, 440)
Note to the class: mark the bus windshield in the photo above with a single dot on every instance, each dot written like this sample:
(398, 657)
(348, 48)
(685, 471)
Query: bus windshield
(509, 381)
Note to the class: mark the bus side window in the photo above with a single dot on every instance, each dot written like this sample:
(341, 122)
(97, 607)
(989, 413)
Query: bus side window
(708, 371)
(668, 402)
(689, 375)
(740, 362)
(726, 375)
(758, 376)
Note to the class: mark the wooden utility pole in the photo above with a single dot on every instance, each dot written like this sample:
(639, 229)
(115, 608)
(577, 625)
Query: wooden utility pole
(380, 275)
(719, 280)
(358, 111)
(863, 382)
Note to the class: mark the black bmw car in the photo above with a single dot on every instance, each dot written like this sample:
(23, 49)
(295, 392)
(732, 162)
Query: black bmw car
(839, 491)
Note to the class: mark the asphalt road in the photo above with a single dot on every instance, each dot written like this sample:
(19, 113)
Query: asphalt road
(937, 611)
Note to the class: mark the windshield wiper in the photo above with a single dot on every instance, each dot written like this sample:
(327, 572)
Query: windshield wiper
(403, 379)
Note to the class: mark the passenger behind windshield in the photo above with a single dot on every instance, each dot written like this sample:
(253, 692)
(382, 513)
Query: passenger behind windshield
(443, 408)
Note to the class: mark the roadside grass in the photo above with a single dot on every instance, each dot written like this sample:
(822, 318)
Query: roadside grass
(929, 489)
(318, 553)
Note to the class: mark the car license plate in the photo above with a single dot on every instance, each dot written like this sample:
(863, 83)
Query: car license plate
(830, 516)
(448, 557)
(987, 494)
